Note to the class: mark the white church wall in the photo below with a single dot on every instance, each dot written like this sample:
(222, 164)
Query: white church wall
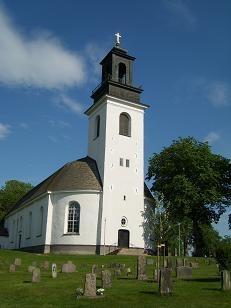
(120, 182)
(4, 242)
(123, 182)
(96, 145)
(89, 218)
(27, 226)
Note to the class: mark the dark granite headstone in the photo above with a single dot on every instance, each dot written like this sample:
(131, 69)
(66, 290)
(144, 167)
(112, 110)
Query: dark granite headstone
(184, 272)
(90, 285)
(225, 280)
(165, 282)
(106, 279)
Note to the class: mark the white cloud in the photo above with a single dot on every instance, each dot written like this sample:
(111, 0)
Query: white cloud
(4, 131)
(69, 103)
(218, 93)
(24, 125)
(95, 55)
(212, 137)
(39, 61)
(181, 9)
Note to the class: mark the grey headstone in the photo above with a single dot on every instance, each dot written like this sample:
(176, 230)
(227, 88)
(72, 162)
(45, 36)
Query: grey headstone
(90, 285)
(141, 264)
(165, 282)
(94, 269)
(106, 279)
(194, 264)
(225, 280)
(179, 262)
(149, 261)
(36, 275)
(128, 271)
(34, 263)
(46, 265)
(31, 268)
(184, 272)
(54, 270)
(68, 268)
(12, 268)
(17, 261)
(169, 263)
(117, 272)
(156, 275)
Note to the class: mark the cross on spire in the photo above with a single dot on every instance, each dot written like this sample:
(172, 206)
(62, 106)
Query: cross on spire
(118, 36)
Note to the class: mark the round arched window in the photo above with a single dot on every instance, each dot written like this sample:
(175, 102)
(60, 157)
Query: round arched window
(124, 221)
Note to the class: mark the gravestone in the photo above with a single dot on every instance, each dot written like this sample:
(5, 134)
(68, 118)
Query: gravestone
(165, 281)
(54, 270)
(169, 263)
(34, 263)
(46, 265)
(194, 264)
(94, 269)
(149, 261)
(179, 262)
(17, 261)
(117, 273)
(12, 268)
(106, 279)
(156, 275)
(68, 268)
(31, 268)
(141, 263)
(128, 271)
(90, 285)
(225, 280)
(184, 272)
(36, 275)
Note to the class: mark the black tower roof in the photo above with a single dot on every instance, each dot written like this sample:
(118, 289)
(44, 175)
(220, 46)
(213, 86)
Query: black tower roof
(117, 77)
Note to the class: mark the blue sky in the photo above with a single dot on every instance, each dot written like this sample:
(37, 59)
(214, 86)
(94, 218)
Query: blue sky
(49, 55)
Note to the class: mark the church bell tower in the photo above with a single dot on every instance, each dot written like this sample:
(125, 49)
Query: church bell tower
(116, 141)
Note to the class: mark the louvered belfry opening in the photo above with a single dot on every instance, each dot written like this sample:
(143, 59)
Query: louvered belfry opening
(125, 125)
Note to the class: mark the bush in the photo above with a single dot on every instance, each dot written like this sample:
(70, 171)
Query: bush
(223, 254)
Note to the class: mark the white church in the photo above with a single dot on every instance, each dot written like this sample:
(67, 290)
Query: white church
(93, 205)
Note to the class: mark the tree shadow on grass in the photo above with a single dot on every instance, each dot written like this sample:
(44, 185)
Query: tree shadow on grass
(27, 281)
(212, 289)
(203, 279)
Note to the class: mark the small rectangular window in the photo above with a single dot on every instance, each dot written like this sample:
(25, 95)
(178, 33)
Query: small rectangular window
(127, 163)
(121, 162)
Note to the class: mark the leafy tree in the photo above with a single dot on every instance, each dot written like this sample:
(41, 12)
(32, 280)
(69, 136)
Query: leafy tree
(10, 193)
(211, 240)
(195, 184)
(223, 254)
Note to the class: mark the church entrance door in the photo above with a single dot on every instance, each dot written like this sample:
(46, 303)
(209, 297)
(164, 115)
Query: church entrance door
(123, 238)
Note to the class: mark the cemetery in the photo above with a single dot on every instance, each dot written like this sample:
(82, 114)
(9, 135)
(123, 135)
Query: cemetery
(32, 280)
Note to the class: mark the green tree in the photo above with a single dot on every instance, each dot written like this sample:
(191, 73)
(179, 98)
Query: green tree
(10, 193)
(211, 240)
(195, 184)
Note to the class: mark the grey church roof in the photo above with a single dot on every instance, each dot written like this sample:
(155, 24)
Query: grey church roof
(81, 174)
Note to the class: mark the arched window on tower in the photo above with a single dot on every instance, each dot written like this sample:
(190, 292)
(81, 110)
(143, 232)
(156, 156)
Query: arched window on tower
(125, 124)
(73, 217)
(122, 73)
(97, 126)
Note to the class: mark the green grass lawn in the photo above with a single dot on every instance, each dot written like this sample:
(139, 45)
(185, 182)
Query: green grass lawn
(16, 289)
